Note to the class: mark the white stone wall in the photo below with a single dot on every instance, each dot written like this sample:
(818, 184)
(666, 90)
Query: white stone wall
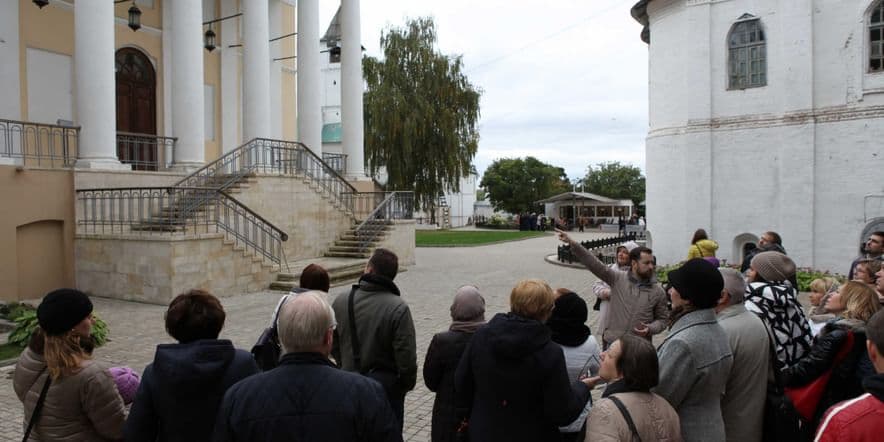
(401, 240)
(800, 156)
(10, 84)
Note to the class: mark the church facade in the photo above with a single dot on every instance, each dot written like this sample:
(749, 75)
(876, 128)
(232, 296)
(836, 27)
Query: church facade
(765, 115)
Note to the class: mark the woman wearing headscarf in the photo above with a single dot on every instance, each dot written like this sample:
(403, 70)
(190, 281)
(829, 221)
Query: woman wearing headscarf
(443, 355)
(853, 304)
(569, 330)
(695, 358)
(514, 376)
(81, 399)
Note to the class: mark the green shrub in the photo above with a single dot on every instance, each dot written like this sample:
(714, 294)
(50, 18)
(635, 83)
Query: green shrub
(27, 323)
(805, 276)
(13, 310)
(663, 272)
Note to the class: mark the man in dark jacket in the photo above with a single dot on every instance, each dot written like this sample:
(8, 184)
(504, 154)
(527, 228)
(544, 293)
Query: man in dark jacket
(769, 241)
(306, 398)
(384, 331)
(873, 249)
(181, 390)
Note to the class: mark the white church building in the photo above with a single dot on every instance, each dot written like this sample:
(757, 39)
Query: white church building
(765, 115)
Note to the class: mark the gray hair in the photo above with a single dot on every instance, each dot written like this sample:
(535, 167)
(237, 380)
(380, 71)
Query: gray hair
(734, 284)
(304, 320)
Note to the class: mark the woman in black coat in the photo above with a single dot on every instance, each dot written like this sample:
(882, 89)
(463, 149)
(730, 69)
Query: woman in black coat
(443, 355)
(854, 303)
(515, 377)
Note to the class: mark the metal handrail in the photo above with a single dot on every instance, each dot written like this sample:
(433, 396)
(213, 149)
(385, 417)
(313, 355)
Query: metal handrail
(368, 230)
(49, 145)
(146, 151)
(177, 210)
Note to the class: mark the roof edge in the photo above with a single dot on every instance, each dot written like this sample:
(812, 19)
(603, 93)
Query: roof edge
(639, 12)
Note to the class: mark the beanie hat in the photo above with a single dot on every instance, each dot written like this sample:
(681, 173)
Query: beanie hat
(773, 266)
(568, 320)
(127, 382)
(699, 282)
(62, 309)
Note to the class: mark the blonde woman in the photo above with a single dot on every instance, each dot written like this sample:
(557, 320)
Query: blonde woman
(820, 291)
(853, 304)
(79, 398)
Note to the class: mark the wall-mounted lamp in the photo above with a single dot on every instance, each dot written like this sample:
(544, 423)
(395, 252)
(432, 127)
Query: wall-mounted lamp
(134, 12)
(41, 3)
(209, 39)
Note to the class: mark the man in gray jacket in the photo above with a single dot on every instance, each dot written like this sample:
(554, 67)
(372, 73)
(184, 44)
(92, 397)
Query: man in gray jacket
(638, 304)
(742, 406)
(384, 331)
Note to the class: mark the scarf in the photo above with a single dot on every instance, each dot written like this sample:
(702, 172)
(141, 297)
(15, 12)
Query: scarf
(467, 310)
(568, 321)
(784, 316)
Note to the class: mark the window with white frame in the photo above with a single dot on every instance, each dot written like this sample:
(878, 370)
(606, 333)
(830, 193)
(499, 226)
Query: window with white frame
(876, 38)
(747, 54)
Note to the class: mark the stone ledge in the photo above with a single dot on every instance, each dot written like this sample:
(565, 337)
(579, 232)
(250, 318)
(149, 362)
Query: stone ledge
(129, 237)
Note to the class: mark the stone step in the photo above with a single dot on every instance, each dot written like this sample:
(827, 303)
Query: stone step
(346, 255)
(337, 276)
(350, 249)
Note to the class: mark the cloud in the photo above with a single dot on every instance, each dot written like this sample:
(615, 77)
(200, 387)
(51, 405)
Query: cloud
(563, 81)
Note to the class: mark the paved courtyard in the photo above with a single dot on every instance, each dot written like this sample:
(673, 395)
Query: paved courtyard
(427, 286)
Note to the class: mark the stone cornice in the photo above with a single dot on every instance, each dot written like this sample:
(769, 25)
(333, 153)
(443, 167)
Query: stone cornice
(639, 12)
(797, 118)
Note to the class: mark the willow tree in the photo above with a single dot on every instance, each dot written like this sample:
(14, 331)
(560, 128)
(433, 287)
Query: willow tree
(420, 114)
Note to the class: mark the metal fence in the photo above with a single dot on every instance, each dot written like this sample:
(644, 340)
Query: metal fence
(564, 253)
(337, 161)
(39, 145)
(176, 211)
(145, 151)
(395, 205)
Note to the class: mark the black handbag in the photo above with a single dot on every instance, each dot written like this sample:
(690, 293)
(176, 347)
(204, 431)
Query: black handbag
(781, 421)
(267, 349)
(388, 379)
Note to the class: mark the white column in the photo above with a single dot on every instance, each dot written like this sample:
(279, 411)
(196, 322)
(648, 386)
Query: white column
(351, 89)
(230, 61)
(95, 83)
(275, 22)
(309, 79)
(188, 107)
(256, 70)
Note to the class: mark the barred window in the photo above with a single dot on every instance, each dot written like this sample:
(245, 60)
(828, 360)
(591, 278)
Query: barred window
(747, 54)
(876, 38)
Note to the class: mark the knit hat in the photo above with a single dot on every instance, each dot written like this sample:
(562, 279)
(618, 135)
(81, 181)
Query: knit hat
(568, 320)
(62, 309)
(773, 266)
(127, 382)
(699, 282)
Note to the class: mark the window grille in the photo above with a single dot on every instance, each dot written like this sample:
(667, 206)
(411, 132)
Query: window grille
(747, 61)
(876, 38)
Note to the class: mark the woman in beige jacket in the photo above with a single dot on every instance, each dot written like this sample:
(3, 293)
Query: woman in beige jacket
(631, 369)
(82, 402)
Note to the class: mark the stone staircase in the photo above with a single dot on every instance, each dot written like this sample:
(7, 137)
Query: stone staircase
(353, 244)
(340, 273)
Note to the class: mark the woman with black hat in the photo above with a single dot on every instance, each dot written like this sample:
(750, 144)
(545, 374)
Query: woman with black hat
(695, 358)
(75, 397)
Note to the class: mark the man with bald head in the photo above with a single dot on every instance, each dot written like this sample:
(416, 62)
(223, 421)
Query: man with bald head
(306, 398)
(742, 405)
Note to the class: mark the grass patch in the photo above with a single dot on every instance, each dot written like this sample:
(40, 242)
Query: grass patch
(443, 238)
(9, 351)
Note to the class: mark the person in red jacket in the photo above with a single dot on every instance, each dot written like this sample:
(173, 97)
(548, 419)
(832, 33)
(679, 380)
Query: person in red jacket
(861, 418)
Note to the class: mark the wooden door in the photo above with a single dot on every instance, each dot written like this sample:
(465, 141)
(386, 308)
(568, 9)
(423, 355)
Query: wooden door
(136, 109)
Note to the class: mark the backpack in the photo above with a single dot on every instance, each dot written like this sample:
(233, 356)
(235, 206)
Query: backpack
(267, 349)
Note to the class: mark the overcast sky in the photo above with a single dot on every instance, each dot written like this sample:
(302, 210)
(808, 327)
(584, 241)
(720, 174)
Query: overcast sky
(563, 80)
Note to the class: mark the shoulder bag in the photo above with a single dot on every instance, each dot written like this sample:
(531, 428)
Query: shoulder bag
(35, 415)
(627, 417)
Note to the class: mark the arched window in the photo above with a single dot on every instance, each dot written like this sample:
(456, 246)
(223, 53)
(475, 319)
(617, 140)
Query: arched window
(747, 54)
(876, 38)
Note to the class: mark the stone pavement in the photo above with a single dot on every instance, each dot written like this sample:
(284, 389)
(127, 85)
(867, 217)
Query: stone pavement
(428, 287)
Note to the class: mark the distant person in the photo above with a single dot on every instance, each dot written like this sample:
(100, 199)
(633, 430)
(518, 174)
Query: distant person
(602, 290)
(873, 248)
(443, 355)
(81, 401)
(306, 398)
(514, 377)
(182, 389)
(854, 303)
(631, 369)
(866, 269)
(568, 326)
(702, 246)
(769, 241)
(742, 406)
(638, 304)
(695, 357)
(775, 301)
(383, 330)
(861, 418)
(621, 225)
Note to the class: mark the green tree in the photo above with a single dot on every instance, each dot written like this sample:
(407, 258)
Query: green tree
(513, 185)
(480, 194)
(615, 180)
(420, 114)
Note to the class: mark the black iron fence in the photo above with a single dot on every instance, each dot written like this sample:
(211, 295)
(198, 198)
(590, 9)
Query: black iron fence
(337, 161)
(565, 254)
(145, 151)
(394, 205)
(39, 145)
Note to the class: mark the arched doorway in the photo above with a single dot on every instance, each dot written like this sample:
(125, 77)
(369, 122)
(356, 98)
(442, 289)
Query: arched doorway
(136, 109)
(742, 244)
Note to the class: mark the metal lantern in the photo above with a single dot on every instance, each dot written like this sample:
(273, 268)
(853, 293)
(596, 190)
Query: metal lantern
(41, 3)
(209, 39)
(134, 17)
(334, 55)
